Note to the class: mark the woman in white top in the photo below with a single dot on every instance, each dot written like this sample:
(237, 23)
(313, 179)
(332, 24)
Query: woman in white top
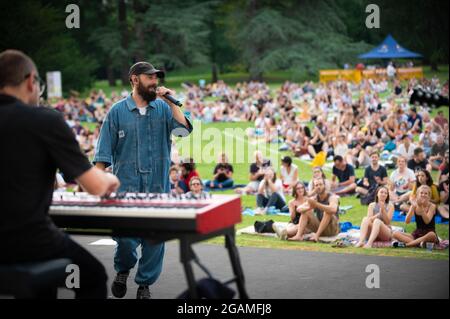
(270, 193)
(406, 148)
(289, 174)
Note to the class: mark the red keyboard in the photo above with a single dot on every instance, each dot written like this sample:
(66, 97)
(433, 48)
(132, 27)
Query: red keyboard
(142, 212)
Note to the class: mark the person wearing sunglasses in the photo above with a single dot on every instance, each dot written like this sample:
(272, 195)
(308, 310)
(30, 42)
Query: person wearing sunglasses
(196, 188)
(36, 141)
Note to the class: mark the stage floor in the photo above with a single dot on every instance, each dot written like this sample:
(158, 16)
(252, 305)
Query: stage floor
(274, 273)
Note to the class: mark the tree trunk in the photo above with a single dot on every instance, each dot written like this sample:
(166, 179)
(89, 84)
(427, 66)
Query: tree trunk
(110, 75)
(434, 66)
(139, 9)
(214, 76)
(124, 41)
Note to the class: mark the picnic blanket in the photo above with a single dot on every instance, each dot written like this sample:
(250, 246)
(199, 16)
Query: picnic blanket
(349, 235)
(250, 230)
(250, 212)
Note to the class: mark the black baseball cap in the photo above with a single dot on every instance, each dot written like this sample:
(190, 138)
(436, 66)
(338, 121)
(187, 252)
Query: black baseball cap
(144, 68)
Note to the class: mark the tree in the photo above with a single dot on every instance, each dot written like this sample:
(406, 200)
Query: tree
(295, 35)
(39, 31)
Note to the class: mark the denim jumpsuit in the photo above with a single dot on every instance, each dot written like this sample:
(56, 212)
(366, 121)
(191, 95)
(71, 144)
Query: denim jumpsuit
(138, 148)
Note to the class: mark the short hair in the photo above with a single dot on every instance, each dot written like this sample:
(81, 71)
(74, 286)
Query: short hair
(338, 158)
(319, 180)
(374, 153)
(195, 178)
(14, 67)
(173, 168)
(401, 158)
(417, 151)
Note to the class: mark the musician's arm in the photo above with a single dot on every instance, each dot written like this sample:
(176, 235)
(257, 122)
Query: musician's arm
(97, 182)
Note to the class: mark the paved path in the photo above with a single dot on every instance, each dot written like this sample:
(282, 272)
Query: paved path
(273, 273)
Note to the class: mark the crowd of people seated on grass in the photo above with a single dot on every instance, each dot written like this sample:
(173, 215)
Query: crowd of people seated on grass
(366, 126)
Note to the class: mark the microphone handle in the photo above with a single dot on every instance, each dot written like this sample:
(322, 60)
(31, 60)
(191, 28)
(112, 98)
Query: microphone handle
(172, 99)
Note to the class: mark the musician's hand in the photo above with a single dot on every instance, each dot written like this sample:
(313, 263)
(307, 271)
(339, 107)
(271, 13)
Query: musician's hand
(161, 91)
(113, 183)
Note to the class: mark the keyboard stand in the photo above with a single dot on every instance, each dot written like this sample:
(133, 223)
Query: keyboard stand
(187, 254)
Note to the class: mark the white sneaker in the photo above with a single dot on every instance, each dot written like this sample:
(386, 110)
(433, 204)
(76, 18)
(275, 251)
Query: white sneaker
(260, 211)
(280, 231)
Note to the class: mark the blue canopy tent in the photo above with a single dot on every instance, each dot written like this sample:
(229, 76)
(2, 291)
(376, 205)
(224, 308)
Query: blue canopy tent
(389, 49)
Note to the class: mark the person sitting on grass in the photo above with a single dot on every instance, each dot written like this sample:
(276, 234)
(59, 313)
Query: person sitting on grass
(289, 173)
(270, 193)
(196, 188)
(188, 171)
(376, 225)
(374, 175)
(174, 180)
(299, 201)
(443, 207)
(419, 161)
(320, 215)
(423, 177)
(345, 174)
(318, 174)
(438, 152)
(424, 211)
(223, 173)
(257, 172)
(401, 182)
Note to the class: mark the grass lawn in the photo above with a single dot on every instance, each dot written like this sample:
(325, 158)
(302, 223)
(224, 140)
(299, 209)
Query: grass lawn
(203, 145)
(354, 215)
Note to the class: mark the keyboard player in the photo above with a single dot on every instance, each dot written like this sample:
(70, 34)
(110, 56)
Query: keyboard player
(35, 142)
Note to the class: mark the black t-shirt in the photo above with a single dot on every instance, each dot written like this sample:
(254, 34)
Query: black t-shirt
(345, 174)
(227, 167)
(34, 142)
(417, 166)
(370, 174)
(441, 189)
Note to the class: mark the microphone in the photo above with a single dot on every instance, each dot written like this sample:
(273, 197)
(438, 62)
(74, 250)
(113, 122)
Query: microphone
(173, 100)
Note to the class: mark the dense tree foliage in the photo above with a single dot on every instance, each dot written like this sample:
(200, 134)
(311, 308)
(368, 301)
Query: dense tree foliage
(255, 36)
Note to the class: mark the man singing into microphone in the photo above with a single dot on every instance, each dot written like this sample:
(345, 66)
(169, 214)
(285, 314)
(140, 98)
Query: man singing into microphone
(136, 140)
